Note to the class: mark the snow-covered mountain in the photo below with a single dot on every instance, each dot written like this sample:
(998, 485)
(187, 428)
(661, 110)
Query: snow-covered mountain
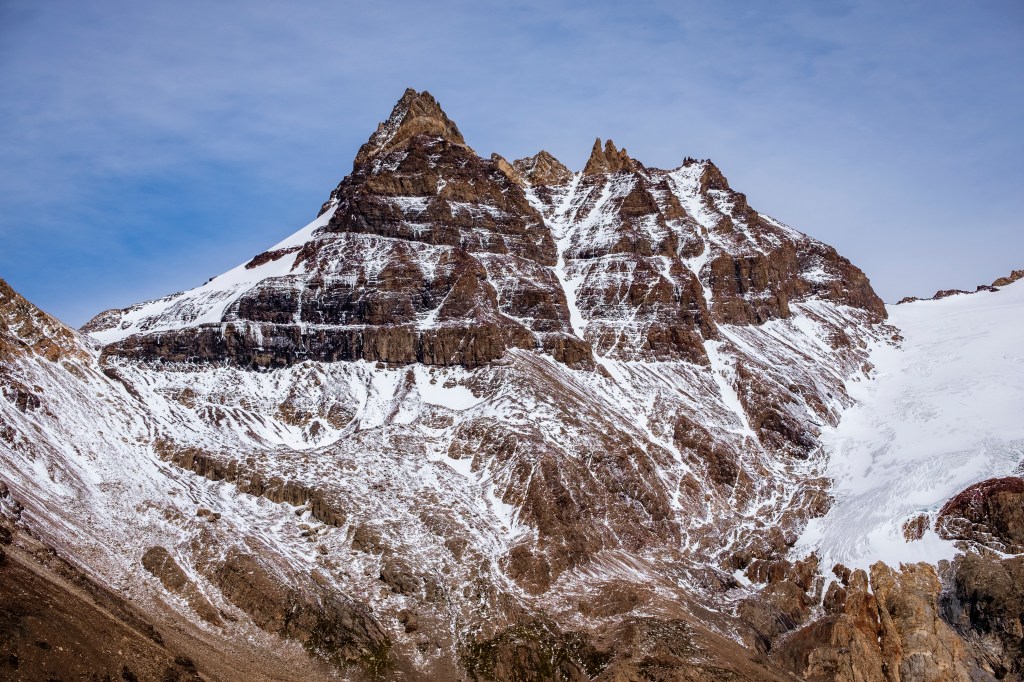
(495, 420)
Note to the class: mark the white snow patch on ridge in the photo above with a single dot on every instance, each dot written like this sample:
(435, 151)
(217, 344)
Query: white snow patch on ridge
(946, 410)
(206, 304)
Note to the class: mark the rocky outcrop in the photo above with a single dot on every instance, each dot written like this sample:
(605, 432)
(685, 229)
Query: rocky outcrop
(158, 561)
(984, 602)
(1009, 279)
(326, 623)
(946, 293)
(989, 513)
(415, 114)
(609, 159)
(533, 651)
(502, 164)
(885, 630)
(250, 480)
(435, 190)
(25, 329)
(542, 169)
(758, 285)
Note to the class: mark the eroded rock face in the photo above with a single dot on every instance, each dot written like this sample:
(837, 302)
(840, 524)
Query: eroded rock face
(542, 169)
(327, 624)
(158, 561)
(26, 330)
(884, 630)
(990, 513)
(608, 160)
(985, 604)
(534, 651)
(946, 293)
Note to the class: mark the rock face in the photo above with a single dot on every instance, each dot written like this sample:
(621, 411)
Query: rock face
(885, 629)
(478, 420)
(990, 513)
(608, 160)
(985, 604)
(542, 170)
(328, 625)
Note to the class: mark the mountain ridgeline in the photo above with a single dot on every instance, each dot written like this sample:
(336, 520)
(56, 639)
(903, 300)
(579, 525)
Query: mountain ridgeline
(432, 254)
(479, 420)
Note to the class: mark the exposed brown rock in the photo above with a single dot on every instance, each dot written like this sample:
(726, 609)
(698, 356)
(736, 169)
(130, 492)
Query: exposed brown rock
(713, 179)
(1009, 279)
(674, 650)
(755, 288)
(609, 159)
(892, 632)
(914, 529)
(990, 513)
(533, 651)
(275, 489)
(416, 113)
(441, 174)
(542, 169)
(502, 164)
(25, 329)
(158, 561)
(269, 256)
(327, 624)
(946, 293)
(985, 604)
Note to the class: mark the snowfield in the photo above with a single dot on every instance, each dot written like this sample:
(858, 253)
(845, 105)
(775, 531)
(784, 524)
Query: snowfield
(945, 410)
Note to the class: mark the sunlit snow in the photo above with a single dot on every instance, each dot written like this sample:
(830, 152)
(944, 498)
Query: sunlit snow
(945, 411)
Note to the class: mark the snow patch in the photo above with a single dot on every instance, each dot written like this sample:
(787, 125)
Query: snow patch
(943, 412)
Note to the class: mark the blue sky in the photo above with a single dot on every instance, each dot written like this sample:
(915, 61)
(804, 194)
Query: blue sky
(145, 147)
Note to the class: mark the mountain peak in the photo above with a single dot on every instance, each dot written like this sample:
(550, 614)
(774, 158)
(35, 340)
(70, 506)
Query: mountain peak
(416, 113)
(712, 178)
(609, 159)
(27, 330)
(542, 169)
(502, 164)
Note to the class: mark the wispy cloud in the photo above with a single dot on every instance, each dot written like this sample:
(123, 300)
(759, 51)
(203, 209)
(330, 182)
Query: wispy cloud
(147, 146)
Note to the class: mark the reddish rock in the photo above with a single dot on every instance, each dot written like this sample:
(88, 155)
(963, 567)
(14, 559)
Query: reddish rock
(609, 159)
(990, 513)
(890, 632)
(542, 169)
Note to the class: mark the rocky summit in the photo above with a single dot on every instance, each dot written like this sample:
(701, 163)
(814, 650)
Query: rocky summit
(483, 420)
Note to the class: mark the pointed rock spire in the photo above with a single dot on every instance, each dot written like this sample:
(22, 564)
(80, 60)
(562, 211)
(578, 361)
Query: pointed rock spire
(415, 113)
(507, 168)
(712, 178)
(543, 169)
(608, 160)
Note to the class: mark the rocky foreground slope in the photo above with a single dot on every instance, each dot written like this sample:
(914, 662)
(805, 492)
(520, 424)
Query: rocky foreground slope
(479, 420)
